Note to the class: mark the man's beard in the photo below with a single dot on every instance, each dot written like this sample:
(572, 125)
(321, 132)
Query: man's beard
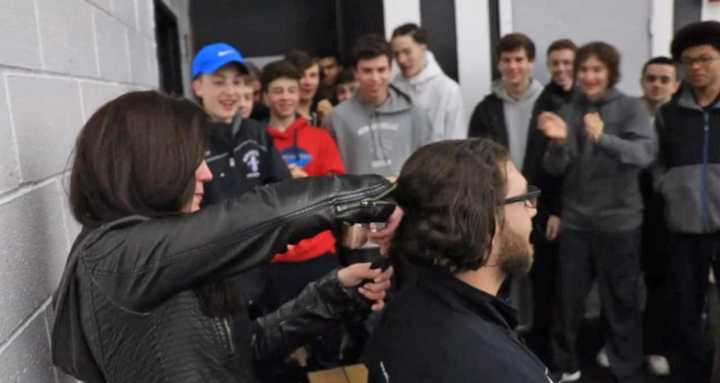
(515, 257)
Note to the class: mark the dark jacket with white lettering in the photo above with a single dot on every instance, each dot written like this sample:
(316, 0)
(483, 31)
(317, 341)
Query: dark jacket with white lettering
(242, 156)
(239, 162)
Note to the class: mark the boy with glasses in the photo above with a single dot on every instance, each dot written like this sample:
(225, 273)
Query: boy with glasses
(688, 177)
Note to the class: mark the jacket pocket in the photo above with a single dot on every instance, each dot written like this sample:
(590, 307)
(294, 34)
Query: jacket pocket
(680, 188)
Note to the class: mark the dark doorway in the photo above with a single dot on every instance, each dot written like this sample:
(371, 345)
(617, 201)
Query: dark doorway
(168, 49)
(494, 14)
(265, 28)
(438, 18)
(686, 12)
(273, 27)
(356, 18)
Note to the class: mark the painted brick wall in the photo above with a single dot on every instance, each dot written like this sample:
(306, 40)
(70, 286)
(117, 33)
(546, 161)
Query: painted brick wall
(61, 60)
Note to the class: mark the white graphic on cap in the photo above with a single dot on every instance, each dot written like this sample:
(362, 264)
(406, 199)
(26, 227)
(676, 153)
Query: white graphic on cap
(225, 52)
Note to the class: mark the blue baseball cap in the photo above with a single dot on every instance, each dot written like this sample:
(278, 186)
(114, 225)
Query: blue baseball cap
(215, 56)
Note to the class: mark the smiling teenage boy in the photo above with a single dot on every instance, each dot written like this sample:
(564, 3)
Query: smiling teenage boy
(241, 154)
(307, 150)
(380, 126)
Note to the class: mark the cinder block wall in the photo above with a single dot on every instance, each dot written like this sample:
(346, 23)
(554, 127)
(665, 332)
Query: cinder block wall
(59, 61)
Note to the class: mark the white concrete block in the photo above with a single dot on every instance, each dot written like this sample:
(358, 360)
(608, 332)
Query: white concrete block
(139, 58)
(27, 358)
(106, 5)
(66, 34)
(20, 44)
(72, 227)
(46, 116)
(146, 13)
(111, 37)
(9, 168)
(125, 11)
(96, 94)
(153, 70)
(31, 258)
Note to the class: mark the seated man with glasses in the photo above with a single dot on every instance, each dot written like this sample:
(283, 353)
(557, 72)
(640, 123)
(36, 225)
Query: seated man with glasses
(466, 229)
(688, 177)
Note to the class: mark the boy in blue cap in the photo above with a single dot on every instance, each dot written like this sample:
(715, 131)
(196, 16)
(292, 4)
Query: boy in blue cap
(240, 154)
(219, 81)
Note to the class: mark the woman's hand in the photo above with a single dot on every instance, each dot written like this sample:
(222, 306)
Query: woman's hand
(375, 290)
(384, 236)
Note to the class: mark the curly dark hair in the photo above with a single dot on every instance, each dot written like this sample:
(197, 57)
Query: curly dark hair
(695, 34)
(452, 193)
(606, 53)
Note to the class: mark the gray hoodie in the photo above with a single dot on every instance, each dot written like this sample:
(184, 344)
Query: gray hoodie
(600, 189)
(435, 92)
(379, 140)
(517, 117)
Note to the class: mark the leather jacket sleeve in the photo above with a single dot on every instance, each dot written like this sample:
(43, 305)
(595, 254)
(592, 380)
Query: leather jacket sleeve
(140, 266)
(321, 305)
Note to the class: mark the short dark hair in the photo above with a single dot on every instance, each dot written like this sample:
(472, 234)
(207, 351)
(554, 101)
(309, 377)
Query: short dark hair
(279, 69)
(346, 76)
(253, 72)
(695, 34)
(452, 193)
(369, 47)
(326, 53)
(661, 60)
(604, 52)
(514, 41)
(137, 155)
(301, 59)
(560, 45)
(418, 33)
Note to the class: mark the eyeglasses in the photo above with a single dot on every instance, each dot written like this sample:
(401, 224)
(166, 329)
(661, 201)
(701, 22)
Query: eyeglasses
(530, 198)
(662, 79)
(705, 60)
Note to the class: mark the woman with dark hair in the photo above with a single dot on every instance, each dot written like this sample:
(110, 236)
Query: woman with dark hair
(599, 143)
(129, 307)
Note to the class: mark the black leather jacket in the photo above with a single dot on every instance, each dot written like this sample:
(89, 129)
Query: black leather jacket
(127, 309)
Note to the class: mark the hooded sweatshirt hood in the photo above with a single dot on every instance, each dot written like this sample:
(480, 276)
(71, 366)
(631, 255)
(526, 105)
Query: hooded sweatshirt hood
(439, 96)
(517, 117)
(428, 73)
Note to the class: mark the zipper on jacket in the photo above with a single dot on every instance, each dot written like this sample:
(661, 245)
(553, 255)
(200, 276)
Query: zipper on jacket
(516, 339)
(704, 213)
(226, 330)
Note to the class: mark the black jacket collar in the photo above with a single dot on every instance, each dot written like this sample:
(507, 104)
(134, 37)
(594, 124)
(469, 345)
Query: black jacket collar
(463, 297)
